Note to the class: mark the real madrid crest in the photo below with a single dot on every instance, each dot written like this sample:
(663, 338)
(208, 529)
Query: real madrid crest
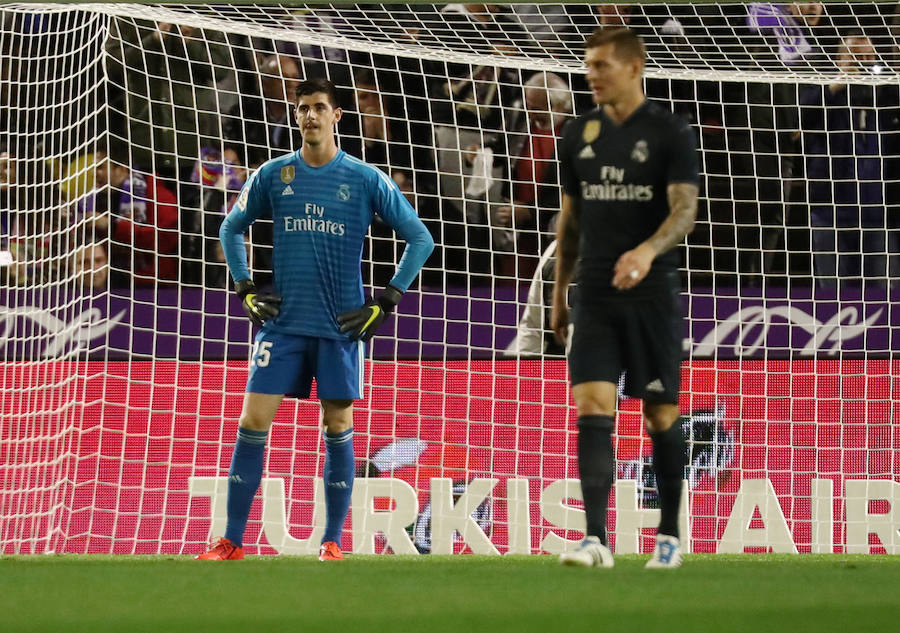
(591, 131)
(640, 153)
(287, 174)
(344, 192)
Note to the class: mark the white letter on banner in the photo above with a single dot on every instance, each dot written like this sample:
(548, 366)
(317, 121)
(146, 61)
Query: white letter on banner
(216, 489)
(630, 518)
(556, 512)
(518, 516)
(822, 516)
(367, 521)
(753, 494)
(860, 523)
(447, 517)
(274, 521)
(275, 525)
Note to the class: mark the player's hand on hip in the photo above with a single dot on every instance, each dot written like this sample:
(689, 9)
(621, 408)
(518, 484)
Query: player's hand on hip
(363, 323)
(260, 307)
(632, 266)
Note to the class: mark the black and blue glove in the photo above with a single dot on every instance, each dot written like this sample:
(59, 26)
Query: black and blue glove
(363, 323)
(260, 307)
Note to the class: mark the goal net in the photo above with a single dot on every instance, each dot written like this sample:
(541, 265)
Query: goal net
(127, 130)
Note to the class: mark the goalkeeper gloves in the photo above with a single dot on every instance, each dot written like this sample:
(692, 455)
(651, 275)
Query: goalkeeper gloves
(363, 323)
(259, 307)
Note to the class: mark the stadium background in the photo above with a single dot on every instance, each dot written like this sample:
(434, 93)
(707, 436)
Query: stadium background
(113, 398)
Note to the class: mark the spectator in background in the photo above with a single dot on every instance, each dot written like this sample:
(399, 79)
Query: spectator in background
(532, 139)
(260, 126)
(589, 17)
(482, 28)
(533, 334)
(142, 218)
(34, 218)
(399, 88)
(469, 114)
(382, 135)
(677, 49)
(388, 135)
(319, 61)
(90, 201)
(550, 29)
(91, 267)
(215, 182)
(850, 139)
(752, 187)
(746, 130)
(162, 93)
(612, 15)
(895, 37)
(7, 182)
(794, 27)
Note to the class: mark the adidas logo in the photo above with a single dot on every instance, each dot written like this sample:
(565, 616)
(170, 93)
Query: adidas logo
(656, 386)
(339, 484)
(287, 191)
(236, 479)
(587, 152)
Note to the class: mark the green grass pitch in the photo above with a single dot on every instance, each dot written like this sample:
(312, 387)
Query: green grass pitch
(462, 594)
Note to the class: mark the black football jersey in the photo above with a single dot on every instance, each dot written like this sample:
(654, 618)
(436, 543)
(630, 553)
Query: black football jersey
(618, 174)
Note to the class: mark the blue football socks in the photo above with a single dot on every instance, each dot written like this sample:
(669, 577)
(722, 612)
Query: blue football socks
(338, 477)
(243, 480)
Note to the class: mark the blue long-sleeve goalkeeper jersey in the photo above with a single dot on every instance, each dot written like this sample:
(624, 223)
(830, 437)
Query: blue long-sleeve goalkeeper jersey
(320, 218)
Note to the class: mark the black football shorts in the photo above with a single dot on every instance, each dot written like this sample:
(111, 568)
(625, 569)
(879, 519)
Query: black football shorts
(641, 336)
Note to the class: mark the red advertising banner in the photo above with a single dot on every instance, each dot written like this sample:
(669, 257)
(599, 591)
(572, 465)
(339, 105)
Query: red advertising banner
(782, 455)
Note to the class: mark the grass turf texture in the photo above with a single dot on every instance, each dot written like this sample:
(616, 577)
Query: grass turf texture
(759, 593)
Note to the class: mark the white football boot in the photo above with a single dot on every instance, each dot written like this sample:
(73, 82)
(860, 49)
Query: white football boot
(666, 554)
(589, 553)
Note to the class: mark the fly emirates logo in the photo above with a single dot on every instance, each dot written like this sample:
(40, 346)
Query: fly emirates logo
(612, 187)
(313, 221)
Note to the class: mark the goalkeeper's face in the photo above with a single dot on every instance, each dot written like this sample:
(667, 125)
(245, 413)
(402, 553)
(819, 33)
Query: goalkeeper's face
(611, 77)
(317, 118)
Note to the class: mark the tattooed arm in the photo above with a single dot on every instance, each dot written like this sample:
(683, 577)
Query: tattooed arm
(634, 265)
(682, 215)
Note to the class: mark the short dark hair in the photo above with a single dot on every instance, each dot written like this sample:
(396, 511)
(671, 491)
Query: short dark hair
(312, 86)
(365, 77)
(626, 42)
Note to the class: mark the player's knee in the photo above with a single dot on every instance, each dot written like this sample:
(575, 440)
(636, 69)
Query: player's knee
(333, 427)
(660, 417)
(595, 398)
(594, 404)
(254, 421)
(337, 416)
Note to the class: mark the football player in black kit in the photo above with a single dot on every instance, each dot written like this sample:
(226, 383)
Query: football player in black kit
(630, 174)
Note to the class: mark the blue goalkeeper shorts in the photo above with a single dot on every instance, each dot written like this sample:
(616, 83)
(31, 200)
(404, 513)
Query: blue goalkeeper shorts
(286, 364)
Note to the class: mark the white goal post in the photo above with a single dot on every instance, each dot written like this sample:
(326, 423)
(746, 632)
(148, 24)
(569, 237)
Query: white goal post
(126, 131)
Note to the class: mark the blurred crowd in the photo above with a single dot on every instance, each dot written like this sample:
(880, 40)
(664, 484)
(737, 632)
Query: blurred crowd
(800, 181)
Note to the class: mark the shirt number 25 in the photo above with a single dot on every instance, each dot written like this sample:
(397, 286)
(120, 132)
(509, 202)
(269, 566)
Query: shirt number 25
(262, 354)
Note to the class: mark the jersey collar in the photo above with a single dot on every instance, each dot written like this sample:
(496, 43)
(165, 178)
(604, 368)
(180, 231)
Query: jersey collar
(322, 168)
(632, 117)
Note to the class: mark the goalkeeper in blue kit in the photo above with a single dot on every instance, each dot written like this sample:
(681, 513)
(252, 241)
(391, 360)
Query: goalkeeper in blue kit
(314, 325)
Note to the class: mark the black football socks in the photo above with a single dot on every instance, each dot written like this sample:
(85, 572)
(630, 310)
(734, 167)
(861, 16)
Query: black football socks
(596, 464)
(668, 462)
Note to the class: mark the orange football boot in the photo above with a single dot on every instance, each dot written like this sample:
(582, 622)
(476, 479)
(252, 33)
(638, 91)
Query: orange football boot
(330, 551)
(223, 549)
